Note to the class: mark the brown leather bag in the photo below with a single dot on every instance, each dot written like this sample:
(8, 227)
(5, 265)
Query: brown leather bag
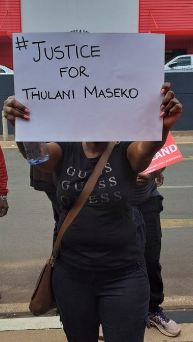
(42, 299)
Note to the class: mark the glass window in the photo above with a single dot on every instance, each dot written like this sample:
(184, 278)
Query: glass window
(182, 61)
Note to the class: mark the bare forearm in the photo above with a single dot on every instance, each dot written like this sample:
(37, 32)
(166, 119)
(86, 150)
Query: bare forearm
(149, 148)
(3, 175)
(140, 153)
(54, 152)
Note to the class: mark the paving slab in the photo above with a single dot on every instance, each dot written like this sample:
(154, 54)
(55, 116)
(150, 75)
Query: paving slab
(57, 335)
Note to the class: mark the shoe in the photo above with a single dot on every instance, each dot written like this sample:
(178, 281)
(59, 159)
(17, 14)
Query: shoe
(101, 338)
(163, 323)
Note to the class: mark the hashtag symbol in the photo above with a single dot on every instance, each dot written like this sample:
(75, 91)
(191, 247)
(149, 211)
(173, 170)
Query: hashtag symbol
(20, 44)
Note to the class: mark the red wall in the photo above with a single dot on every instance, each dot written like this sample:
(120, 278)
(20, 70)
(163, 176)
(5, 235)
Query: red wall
(10, 21)
(180, 42)
(165, 15)
(6, 52)
(172, 17)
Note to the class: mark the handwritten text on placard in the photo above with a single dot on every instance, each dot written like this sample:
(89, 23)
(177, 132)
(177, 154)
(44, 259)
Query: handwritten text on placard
(88, 86)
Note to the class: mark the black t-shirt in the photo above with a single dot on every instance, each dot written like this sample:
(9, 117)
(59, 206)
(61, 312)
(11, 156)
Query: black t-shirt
(103, 235)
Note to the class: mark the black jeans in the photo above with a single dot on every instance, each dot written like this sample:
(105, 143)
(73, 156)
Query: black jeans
(117, 299)
(151, 213)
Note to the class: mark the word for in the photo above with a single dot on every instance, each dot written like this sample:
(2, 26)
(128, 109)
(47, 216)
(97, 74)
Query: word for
(73, 72)
(65, 52)
(166, 150)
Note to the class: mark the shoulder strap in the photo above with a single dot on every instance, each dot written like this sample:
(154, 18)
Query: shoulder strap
(77, 206)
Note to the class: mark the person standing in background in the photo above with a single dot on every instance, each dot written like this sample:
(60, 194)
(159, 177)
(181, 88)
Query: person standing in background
(148, 200)
(3, 187)
(46, 182)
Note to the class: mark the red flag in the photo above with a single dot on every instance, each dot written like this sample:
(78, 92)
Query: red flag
(167, 155)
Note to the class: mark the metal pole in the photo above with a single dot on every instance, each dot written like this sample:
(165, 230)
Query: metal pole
(5, 128)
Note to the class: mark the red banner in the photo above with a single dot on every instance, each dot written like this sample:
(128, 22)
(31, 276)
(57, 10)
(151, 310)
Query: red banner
(167, 155)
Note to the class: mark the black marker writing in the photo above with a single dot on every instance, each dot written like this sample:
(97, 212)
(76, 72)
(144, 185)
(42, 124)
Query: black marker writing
(68, 51)
(108, 92)
(73, 72)
(33, 93)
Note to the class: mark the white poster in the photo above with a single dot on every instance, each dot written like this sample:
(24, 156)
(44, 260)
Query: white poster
(89, 87)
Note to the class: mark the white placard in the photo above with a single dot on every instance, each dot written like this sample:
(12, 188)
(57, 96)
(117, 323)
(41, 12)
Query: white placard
(89, 87)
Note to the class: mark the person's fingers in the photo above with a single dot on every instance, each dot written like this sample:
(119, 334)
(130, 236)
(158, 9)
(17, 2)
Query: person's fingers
(160, 180)
(167, 98)
(3, 211)
(165, 88)
(143, 176)
(12, 109)
(2, 214)
(12, 102)
(176, 108)
(173, 107)
(159, 183)
(142, 182)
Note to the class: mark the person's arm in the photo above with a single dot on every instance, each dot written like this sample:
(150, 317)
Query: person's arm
(145, 179)
(140, 153)
(160, 180)
(12, 109)
(3, 185)
(156, 173)
(55, 154)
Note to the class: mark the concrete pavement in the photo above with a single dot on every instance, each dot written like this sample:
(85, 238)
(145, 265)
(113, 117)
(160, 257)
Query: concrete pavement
(48, 329)
(57, 335)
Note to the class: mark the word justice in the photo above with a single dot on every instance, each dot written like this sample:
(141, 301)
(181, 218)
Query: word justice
(66, 52)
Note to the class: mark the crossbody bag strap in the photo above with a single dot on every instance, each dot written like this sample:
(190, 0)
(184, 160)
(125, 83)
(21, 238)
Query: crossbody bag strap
(85, 193)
